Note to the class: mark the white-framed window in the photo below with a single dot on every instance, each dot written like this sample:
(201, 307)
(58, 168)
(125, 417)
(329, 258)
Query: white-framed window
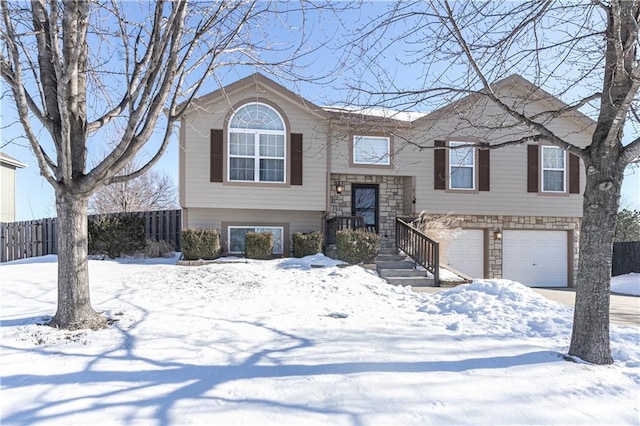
(257, 145)
(553, 169)
(371, 150)
(462, 166)
(237, 235)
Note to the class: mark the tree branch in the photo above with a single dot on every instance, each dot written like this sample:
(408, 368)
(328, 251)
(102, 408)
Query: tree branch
(551, 114)
(480, 145)
(450, 22)
(12, 73)
(631, 152)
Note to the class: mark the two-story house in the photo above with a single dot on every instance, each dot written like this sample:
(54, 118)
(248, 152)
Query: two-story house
(256, 156)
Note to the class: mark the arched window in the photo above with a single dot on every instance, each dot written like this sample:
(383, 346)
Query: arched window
(257, 147)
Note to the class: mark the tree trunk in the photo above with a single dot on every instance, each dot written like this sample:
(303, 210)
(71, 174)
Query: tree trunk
(590, 337)
(74, 303)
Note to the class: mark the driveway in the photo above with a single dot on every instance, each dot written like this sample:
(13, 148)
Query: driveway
(623, 310)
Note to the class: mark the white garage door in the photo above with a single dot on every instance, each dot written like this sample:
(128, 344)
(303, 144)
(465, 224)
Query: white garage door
(465, 253)
(535, 258)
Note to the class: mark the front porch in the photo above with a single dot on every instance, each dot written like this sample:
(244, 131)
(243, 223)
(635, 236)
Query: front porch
(413, 258)
(378, 200)
(379, 203)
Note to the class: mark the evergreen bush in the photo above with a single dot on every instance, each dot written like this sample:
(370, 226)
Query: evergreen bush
(357, 246)
(307, 243)
(200, 244)
(258, 245)
(115, 236)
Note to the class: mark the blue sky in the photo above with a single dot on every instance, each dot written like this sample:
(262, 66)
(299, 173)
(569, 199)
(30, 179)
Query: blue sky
(35, 198)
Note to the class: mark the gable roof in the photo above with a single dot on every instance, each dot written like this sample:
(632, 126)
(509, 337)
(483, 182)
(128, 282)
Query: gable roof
(9, 160)
(397, 118)
(259, 81)
(517, 82)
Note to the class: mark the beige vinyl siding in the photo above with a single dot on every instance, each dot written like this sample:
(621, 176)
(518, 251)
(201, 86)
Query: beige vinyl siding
(291, 221)
(508, 194)
(508, 184)
(299, 221)
(199, 192)
(508, 191)
(403, 157)
(8, 188)
(407, 201)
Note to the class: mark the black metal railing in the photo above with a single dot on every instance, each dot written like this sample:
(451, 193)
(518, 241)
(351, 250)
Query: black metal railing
(422, 249)
(339, 223)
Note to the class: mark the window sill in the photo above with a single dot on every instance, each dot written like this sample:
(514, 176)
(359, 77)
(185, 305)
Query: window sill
(461, 191)
(371, 166)
(248, 183)
(554, 194)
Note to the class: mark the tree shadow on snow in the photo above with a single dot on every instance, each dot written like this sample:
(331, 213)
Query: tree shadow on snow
(164, 384)
(14, 322)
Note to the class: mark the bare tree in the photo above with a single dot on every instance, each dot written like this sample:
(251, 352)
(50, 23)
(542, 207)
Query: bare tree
(76, 68)
(583, 52)
(150, 191)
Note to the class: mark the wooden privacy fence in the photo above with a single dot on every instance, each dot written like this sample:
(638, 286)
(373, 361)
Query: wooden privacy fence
(21, 240)
(31, 238)
(626, 258)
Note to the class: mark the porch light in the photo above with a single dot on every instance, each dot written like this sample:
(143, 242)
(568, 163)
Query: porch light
(497, 235)
(339, 188)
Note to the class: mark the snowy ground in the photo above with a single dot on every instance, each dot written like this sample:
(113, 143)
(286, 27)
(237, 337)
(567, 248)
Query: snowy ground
(283, 343)
(626, 284)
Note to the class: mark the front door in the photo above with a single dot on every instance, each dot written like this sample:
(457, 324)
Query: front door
(364, 202)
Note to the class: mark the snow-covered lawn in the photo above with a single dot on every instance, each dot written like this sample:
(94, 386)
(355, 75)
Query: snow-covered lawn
(283, 343)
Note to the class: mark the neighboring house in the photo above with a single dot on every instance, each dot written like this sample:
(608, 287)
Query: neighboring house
(8, 166)
(256, 156)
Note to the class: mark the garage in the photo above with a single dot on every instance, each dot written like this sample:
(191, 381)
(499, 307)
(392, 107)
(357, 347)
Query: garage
(535, 258)
(465, 252)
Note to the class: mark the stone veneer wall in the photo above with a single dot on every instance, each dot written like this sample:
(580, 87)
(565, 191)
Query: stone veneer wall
(502, 223)
(390, 201)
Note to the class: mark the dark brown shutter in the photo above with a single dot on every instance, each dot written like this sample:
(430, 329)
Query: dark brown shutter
(532, 168)
(439, 166)
(215, 173)
(574, 174)
(483, 170)
(296, 159)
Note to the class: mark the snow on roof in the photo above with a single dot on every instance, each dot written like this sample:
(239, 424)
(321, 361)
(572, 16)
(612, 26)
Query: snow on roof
(377, 112)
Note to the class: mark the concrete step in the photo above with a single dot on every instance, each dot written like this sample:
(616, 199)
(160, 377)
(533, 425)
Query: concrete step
(411, 281)
(395, 264)
(390, 257)
(330, 251)
(385, 250)
(384, 273)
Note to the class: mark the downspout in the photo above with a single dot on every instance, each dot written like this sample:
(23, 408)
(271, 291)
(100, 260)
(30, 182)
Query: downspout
(328, 150)
(327, 205)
